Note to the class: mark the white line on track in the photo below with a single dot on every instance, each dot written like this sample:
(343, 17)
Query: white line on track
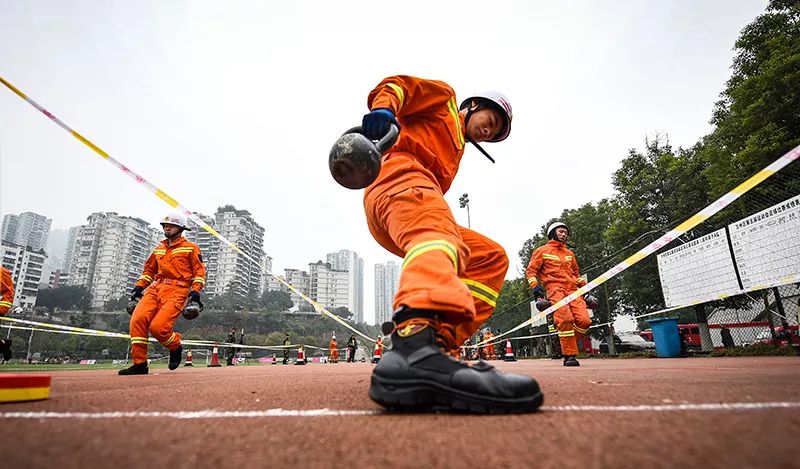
(211, 414)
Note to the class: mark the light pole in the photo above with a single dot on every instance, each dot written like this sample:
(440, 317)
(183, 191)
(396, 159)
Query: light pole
(463, 201)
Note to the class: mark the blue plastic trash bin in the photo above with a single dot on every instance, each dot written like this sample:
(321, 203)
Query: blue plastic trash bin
(666, 337)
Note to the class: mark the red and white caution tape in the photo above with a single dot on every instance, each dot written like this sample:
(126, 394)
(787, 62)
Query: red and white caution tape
(175, 204)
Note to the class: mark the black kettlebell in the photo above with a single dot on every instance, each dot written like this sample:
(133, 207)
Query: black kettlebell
(355, 160)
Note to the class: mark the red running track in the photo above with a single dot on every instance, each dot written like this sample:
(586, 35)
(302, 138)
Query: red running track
(669, 430)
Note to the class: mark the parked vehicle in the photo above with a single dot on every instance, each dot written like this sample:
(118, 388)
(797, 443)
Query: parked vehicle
(629, 342)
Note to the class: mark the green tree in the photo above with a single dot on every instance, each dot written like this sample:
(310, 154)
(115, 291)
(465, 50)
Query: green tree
(66, 297)
(756, 120)
(276, 301)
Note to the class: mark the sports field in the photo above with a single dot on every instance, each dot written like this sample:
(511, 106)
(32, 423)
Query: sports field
(703, 412)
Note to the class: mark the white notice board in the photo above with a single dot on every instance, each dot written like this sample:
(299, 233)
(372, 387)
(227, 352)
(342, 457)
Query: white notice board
(766, 245)
(701, 268)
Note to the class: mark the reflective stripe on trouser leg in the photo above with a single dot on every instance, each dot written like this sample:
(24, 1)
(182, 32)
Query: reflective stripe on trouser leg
(483, 275)
(408, 216)
(140, 323)
(173, 299)
(564, 324)
(429, 280)
(580, 315)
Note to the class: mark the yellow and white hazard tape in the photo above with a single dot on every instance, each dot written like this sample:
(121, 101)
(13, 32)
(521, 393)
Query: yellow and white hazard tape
(37, 326)
(174, 203)
(667, 238)
(795, 278)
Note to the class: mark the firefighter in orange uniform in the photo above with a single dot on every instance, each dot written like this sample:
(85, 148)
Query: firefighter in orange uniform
(6, 301)
(488, 349)
(555, 266)
(173, 275)
(451, 276)
(333, 356)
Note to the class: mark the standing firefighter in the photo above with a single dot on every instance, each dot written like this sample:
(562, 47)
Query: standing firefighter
(286, 344)
(334, 352)
(231, 352)
(451, 275)
(556, 267)
(174, 275)
(6, 301)
(351, 348)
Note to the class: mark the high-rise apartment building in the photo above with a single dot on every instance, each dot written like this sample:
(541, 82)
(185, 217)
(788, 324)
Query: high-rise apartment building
(25, 266)
(108, 253)
(387, 281)
(329, 287)
(349, 261)
(26, 229)
(301, 281)
(227, 270)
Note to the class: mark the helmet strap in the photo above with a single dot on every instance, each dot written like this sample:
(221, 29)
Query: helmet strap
(474, 143)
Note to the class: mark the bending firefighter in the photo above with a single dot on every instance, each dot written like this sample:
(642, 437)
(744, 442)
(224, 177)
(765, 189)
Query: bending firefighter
(555, 266)
(6, 301)
(451, 275)
(173, 276)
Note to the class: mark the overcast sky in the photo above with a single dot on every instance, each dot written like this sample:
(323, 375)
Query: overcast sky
(239, 103)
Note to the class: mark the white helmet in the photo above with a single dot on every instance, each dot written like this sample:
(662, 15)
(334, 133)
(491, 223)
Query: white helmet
(177, 219)
(551, 230)
(497, 101)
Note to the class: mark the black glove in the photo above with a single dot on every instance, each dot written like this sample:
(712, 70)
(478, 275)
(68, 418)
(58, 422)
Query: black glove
(136, 293)
(376, 123)
(194, 296)
(538, 292)
(591, 301)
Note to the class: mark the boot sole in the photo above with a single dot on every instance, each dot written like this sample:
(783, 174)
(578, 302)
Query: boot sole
(425, 396)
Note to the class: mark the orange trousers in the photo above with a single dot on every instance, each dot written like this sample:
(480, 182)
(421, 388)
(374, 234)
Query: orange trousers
(155, 314)
(446, 268)
(334, 355)
(572, 320)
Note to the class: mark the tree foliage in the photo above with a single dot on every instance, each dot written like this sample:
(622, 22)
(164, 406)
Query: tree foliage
(66, 297)
(755, 121)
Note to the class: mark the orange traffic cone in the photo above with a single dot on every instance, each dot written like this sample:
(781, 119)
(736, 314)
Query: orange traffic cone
(301, 356)
(214, 356)
(188, 361)
(376, 354)
(509, 356)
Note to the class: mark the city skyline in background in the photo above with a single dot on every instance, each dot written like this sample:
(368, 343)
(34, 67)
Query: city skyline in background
(106, 255)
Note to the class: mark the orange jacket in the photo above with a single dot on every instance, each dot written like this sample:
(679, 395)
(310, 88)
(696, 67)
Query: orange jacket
(332, 344)
(555, 266)
(181, 261)
(432, 130)
(6, 291)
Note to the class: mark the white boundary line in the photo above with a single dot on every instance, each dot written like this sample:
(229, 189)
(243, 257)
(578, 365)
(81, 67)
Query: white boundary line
(212, 414)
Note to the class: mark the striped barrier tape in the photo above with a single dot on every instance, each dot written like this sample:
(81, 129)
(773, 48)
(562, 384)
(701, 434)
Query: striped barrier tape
(175, 204)
(783, 281)
(37, 326)
(670, 236)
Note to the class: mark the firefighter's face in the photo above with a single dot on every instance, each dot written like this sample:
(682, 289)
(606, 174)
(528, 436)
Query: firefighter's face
(562, 234)
(170, 230)
(484, 124)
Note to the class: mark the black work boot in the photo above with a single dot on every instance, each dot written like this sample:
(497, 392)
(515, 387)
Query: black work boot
(5, 349)
(570, 360)
(415, 375)
(175, 358)
(135, 369)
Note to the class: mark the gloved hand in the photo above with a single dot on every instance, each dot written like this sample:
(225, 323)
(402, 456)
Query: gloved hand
(538, 292)
(136, 292)
(194, 296)
(376, 123)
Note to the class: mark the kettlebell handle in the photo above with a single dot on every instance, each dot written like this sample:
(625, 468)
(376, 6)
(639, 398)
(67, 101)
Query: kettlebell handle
(385, 143)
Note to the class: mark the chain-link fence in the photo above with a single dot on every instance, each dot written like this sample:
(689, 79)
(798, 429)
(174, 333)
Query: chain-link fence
(731, 281)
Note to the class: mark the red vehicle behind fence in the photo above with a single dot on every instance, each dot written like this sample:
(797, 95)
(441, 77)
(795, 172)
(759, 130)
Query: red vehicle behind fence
(691, 334)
